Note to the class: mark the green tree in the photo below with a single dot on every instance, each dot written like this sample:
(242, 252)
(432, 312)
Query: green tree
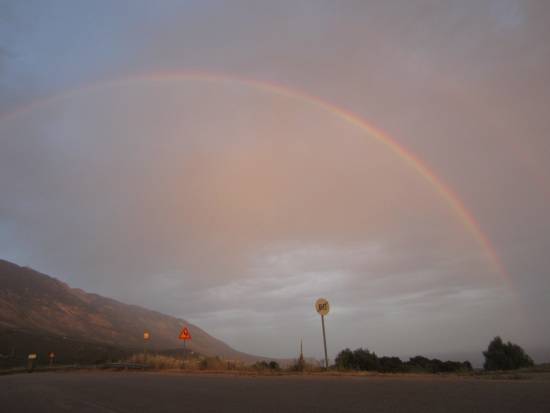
(366, 360)
(345, 360)
(390, 364)
(273, 365)
(505, 356)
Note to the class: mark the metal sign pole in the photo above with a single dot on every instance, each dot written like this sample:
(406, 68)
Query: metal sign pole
(323, 307)
(146, 337)
(324, 341)
(185, 335)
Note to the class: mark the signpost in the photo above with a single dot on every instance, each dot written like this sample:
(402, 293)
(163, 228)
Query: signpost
(184, 335)
(146, 337)
(51, 356)
(322, 307)
(30, 361)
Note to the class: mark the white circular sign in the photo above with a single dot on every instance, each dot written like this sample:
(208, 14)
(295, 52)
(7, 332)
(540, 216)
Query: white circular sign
(322, 306)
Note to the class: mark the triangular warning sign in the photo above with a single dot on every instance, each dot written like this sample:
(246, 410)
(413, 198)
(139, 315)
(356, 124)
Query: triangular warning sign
(185, 335)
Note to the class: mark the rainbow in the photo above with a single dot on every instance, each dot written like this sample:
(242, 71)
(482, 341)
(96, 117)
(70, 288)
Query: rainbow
(446, 193)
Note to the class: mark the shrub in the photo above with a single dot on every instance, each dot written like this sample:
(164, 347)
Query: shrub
(260, 365)
(212, 363)
(505, 356)
(423, 364)
(363, 359)
(157, 361)
(360, 359)
(300, 364)
(264, 365)
(345, 360)
(273, 365)
(390, 364)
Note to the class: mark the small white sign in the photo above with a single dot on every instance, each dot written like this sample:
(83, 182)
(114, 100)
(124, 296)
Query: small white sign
(32, 356)
(322, 306)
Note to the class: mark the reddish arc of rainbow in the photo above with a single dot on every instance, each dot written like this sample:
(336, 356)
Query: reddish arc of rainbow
(446, 193)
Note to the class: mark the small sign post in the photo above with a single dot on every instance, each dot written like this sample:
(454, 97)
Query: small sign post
(146, 337)
(51, 356)
(184, 335)
(30, 362)
(322, 307)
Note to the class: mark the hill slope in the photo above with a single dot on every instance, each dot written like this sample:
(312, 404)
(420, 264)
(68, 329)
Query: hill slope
(36, 305)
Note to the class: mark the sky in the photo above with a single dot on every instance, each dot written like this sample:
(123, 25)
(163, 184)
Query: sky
(200, 158)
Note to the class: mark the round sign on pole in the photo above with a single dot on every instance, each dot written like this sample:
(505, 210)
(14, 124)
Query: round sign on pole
(322, 306)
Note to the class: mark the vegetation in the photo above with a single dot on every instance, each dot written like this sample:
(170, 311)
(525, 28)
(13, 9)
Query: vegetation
(299, 364)
(505, 356)
(212, 363)
(16, 344)
(189, 362)
(420, 363)
(264, 365)
(157, 361)
(364, 360)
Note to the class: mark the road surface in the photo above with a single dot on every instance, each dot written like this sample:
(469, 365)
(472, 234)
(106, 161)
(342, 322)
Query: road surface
(144, 392)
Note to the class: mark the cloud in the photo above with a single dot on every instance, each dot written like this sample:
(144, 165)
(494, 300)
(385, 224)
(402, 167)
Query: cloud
(236, 208)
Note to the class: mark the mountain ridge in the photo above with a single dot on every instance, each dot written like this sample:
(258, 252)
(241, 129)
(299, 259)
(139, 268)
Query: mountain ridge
(35, 303)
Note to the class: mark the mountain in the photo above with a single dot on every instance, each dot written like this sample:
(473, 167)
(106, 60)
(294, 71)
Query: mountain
(41, 313)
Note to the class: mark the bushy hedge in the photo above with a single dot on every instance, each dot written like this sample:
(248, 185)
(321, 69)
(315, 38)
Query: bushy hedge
(364, 360)
(264, 365)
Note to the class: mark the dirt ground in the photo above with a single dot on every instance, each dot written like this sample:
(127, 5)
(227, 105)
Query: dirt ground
(104, 391)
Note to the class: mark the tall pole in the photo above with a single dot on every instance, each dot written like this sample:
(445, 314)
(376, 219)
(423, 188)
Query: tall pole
(324, 341)
(323, 307)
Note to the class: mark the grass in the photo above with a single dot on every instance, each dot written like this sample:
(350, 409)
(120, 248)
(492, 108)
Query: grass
(191, 362)
(198, 363)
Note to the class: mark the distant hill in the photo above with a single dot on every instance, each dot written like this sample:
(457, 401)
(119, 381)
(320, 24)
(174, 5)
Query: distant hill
(41, 313)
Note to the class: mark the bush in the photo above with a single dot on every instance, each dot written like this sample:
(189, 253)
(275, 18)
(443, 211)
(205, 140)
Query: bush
(505, 356)
(345, 360)
(423, 364)
(390, 364)
(363, 359)
(157, 361)
(273, 365)
(300, 365)
(419, 363)
(264, 365)
(360, 359)
(212, 363)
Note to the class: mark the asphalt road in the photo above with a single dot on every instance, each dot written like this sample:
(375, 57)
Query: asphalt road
(164, 392)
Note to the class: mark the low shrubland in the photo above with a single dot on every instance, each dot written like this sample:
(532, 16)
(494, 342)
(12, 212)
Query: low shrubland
(499, 356)
(365, 360)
